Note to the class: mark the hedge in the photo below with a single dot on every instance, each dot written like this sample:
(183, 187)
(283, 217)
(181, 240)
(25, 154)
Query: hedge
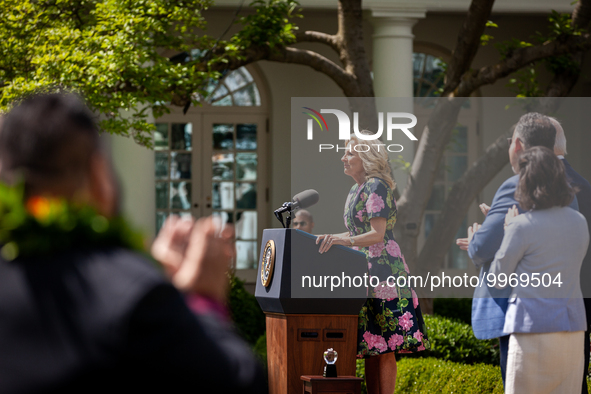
(246, 313)
(454, 308)
(454, 341)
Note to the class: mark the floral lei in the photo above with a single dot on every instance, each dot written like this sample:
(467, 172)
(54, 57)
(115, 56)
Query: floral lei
(41, 226)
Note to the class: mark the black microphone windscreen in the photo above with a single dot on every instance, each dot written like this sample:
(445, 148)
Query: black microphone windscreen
(307, 198)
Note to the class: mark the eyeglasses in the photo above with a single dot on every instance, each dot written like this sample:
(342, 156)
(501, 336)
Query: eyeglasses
(299, 223)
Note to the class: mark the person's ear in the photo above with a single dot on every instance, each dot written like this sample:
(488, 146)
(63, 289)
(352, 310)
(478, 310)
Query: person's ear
(101, 184)
(518, 145)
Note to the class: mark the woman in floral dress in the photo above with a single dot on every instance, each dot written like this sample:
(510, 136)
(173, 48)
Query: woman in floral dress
(390, 322)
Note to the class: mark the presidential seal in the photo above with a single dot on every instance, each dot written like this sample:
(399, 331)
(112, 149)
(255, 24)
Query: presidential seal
(268, 263)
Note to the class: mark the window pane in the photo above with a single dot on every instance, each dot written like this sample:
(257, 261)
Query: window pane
(247, 97)
(161, 136)
(161, 165)
(161, 195)
(417, 64)
(160, 218)
(246, 136)
(223, 167)
(224, 102)
(246, 196)
(246, 225)
(223, 136)
(223, 195)
(180, 165)
(181, 136)
(180, 195)
(459, 140)
(457, 166)
(237, 79)
(246, 166)
(220, 92)
(437, 198)
(246, 254)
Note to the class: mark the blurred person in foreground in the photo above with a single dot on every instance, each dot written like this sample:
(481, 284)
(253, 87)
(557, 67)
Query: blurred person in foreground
(545, 319)
(303, 221)
(81, 308)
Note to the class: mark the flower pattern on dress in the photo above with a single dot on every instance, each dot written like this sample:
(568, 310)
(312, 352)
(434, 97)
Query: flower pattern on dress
(395, 341)
(375, 203)
(393, 249)
(405, 321)
(391, 320)
(375, 250)
(385, 292)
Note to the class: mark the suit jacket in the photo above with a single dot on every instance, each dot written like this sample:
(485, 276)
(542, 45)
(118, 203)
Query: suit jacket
(584, 199)
(106, 320)
(551, 244)
(490, 304)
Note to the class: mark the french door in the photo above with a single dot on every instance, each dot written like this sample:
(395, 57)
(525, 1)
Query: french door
(215, 164)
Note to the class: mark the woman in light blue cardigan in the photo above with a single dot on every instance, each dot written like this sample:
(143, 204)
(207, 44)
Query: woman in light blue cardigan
(540, 258)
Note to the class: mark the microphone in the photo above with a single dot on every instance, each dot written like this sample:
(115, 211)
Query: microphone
(304, 199)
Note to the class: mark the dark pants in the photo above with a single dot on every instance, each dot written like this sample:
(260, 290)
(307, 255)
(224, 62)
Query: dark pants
(504, 348)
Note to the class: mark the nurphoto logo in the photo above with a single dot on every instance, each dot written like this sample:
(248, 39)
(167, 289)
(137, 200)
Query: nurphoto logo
(345, 128)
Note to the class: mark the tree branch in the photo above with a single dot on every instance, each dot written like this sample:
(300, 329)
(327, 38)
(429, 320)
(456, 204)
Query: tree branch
(518, 59)
(463, 192)
(319, 63)
(468, 42)
(323, 38)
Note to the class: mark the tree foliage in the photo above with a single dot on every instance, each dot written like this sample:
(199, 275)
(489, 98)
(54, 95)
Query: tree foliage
(109, 51)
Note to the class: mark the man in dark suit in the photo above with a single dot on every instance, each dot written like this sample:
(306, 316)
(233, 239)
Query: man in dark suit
(92, 315)
(584, 200)
(489, 304)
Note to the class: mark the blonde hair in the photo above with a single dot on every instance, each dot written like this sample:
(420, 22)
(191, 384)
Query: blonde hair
(375, 161)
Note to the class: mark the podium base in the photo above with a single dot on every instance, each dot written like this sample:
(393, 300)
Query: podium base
(296, 344)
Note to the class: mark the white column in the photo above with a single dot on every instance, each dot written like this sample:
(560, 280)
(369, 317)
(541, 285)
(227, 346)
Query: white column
(393, 69)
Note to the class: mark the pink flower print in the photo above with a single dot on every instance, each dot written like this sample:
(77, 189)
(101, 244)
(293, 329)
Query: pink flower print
(418, 336)
(375, 203)
(375, 250)
(368, 265)
(375, 341)
(422, 347)
(395, 341)
(393, 249)
(385, 292)
(405, 321)
(359, 215)
(415, 299)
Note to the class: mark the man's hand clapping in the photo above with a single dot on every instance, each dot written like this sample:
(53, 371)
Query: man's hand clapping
(196, 255)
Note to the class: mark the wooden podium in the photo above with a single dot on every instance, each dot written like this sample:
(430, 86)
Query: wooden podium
(302, 321)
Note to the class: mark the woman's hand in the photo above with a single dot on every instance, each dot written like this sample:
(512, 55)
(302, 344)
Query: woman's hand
(328, 240)
(511, 213)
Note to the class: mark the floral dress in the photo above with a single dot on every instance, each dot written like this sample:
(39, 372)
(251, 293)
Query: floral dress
(391, 319)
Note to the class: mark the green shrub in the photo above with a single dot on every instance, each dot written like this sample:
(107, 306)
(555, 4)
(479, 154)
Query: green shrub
(454, 308)
(260, 349)
(430, 375)
(246, 313)
(454, 341)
